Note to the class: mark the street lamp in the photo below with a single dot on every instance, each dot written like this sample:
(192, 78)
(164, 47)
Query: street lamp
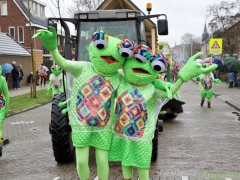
(212, 24)
(191, 45)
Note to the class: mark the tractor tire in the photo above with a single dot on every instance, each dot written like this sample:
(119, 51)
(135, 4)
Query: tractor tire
(155, 146)
(60, 131)
(160, 125)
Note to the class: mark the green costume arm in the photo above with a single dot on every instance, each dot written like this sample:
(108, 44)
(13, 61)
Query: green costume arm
(163, 94)
(49, 40)
(164, 86)
(193, 69)
(49, 87)
(6, 93)
(61, 104)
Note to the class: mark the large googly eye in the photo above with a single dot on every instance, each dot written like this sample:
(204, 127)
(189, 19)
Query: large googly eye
(159, 62)
(142, 53)
(100, 39)
(59, 68)
(53, 67)
(126, 48)
(158, 65)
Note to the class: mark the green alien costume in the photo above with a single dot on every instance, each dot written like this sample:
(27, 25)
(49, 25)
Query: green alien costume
(135, 112)
(55, 81)
(206, 86)
(4, 103)
(92, 101)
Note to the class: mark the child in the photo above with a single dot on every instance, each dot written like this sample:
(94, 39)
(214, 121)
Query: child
(4, 102)
(205, 84)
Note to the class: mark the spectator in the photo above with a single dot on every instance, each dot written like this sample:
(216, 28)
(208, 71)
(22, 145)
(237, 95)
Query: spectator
(43, 74)
(235, 79)
(15, 75)
(30, 76)
(20, 75)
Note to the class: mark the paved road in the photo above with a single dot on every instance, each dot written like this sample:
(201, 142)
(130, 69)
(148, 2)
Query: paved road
(198, 140)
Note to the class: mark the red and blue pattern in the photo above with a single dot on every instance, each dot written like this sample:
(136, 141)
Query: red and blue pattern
(207, 81)
(143, 50)
(2, 101)
(131, 113)
(94, 102)
(99, 35)
(57, 82)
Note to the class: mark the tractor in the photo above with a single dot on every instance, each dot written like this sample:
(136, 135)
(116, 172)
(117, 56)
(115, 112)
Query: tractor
(120, 23)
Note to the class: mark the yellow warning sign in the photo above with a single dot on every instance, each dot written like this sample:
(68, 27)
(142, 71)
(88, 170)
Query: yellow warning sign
(215, 46)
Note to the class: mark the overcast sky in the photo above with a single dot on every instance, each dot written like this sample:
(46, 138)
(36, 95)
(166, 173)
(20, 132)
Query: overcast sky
(184, 16)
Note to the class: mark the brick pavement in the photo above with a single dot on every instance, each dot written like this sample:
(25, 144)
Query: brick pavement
(35, 122)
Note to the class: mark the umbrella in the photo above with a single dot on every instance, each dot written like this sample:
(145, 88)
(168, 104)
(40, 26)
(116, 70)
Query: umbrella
(232, 63)
(217, 61)
(7, 68)
(208, 60)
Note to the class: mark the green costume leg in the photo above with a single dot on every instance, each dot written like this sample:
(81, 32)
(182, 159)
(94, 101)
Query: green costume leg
(127, 172)
(82, 156)
(102, 164)
(143, 174)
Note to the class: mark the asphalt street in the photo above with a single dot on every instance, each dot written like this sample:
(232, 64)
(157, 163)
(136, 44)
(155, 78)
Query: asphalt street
(201, 143)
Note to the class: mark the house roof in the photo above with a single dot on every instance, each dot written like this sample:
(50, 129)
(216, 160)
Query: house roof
(8, 46)
(34, 19)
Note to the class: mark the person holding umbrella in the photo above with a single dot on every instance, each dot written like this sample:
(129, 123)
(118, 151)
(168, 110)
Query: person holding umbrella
(6, 70)
(232, 66)
(15, 75)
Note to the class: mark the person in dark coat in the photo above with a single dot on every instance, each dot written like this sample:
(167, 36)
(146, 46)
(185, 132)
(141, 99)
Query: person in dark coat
(20, 75)
(15, 75)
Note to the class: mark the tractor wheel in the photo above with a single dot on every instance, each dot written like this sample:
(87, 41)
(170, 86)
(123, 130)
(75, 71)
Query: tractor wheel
(160, 125)
(63, 149)
(155, 146)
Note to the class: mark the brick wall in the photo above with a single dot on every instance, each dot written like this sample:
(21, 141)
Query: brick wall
(16, 18)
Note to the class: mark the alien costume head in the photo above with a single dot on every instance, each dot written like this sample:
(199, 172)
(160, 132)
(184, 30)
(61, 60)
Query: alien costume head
(104, 54)
(56, 70)
(143, 67)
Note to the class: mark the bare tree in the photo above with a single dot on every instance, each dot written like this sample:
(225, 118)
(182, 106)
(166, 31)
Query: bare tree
(223, 14)
(33, 92)
(83, 5)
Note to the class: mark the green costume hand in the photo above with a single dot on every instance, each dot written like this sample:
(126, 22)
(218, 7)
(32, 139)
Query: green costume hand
(198, 78)
(48, 38)
(193, 69)
(165, 86)
(217, 81)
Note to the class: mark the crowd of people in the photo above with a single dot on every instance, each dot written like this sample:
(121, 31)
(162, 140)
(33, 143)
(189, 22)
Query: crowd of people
(17, 76)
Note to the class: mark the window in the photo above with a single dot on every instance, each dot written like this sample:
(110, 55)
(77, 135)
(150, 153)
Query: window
(12, 32)
(3, 5)
(20, 34)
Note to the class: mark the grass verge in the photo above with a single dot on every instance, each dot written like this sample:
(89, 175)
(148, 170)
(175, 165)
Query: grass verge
(22, 102)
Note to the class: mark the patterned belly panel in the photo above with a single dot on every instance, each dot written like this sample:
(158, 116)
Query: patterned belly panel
(94, 101)
(2, 101)
(131, 113)
(57, 82)
(207, 81)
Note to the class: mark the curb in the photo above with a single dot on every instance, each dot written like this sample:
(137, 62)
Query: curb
(30, 108)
